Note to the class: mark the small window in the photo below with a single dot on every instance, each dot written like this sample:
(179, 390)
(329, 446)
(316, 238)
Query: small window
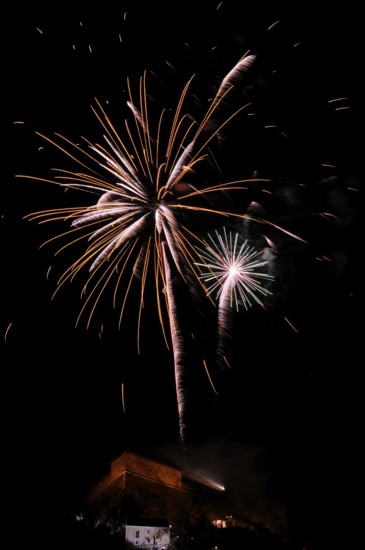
(137, 534)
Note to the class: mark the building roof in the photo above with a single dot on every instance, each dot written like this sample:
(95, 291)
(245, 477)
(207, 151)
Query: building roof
(147, 522)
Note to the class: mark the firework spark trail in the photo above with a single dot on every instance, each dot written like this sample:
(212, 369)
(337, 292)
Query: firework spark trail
(137, 216)
(178, 348)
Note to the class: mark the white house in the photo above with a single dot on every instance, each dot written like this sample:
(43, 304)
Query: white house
(156, 537)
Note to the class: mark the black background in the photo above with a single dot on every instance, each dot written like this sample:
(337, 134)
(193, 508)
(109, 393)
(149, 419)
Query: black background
(300, 397)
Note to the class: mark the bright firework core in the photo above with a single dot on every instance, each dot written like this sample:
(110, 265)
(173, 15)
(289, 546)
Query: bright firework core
(233, 271)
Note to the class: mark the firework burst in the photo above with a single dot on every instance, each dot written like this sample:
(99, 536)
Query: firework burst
(140, 224)
(231, 271)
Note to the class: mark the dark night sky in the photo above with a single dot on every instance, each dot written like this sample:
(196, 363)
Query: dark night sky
(297, 396)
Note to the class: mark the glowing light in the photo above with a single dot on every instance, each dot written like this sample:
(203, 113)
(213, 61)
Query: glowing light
(231, 270)
(205, 479)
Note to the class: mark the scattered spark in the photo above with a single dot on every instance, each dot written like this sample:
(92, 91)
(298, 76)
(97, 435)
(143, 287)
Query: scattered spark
(209, 377)
(122, 394)
(327, 215)
(291, 325)
(336, 100)
(274, 24)
(101, 332)
(7, 331)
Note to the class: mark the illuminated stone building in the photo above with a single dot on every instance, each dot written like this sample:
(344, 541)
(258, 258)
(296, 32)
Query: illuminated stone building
(145, 494)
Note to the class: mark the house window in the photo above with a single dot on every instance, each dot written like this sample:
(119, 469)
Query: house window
(137, 534)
